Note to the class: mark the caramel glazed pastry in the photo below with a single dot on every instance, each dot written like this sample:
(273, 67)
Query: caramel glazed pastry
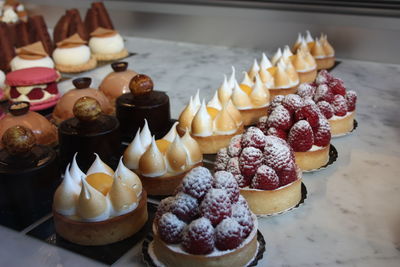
(100, 207)
(212, 125)
(162, 164)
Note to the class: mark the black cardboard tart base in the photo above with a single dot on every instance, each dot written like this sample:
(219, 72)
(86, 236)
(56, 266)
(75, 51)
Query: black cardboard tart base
(333, 155)
(355, 125)
(149, 261)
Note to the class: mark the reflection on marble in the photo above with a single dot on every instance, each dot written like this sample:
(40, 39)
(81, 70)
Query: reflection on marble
(351, 216)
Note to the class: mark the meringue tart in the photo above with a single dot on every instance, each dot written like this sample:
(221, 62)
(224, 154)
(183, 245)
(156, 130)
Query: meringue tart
(100, 207)
(323, 53)
(161, 164)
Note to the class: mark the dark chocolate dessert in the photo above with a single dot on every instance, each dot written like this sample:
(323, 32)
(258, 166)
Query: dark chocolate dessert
(29, 176)
(89, 132)
(143, 103)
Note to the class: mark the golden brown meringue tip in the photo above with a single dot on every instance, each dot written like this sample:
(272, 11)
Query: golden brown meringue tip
(192, 148)
(240, 98)
(75, 171)
(214, 102)
(255, 68)
(98, 166)
(152, 162)
(133, 152)
(317, 50)
(123, 198)
(145, 135)
(232, 78)
(176, 156)
(247, 80)
(276, 57)
(170, 136)
(235, 113)
(265, 62)
(260, 94)
(202, 122)
(128, 177)
(224, 91)
(297, 43)
(92, 205)
(224, 123)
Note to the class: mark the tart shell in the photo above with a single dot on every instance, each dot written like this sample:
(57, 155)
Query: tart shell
(285, 91)
(342, 125)
(113, 56)
(325, 63)
(91, 64)
(251, 116)
(308, 76)
(311, 160)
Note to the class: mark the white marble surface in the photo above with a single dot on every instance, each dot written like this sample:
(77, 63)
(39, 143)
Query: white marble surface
(351, 216)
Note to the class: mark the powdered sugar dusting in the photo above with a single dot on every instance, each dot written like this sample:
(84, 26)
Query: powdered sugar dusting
(221, 160)
(235, 146)
(197, 182)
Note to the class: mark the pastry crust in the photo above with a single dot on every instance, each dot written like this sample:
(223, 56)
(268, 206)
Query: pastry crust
(267, 202)
(105, 232)
(286, 91)
(113, 56)
(343, 125)
(325, 63)
(308, 76)
(311, 160)
(91, 64)
(251, 116)
(163, 186)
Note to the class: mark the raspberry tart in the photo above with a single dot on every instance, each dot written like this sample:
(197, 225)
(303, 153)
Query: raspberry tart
(265, 170)
(335, 102)
(300, 122)
(100, 207)
(161, 164)
(207, 223)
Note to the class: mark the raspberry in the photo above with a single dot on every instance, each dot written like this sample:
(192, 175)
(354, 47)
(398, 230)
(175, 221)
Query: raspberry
(14, 92)
(35, 94)
(185, 207)
(287, 175)
(292, 102)
(242, 215)
(197, 182)
(351, 98)
(170, 228)
(52, 88)
(280, 118)
(265, 178)
(337, 86)
(277, 132)
(199, 237)
(253, 137)
(235, 146)
(222, 160)
(323, 93)
(301, 136)
(322, 134)
(306, 90)
(309, 114)
(277, 101)
(241, 201)
(323, 77)
(339, 105)
(250, 159)
(216, 206)
(326, 109)
(262, 124)
(233, 167)
(226, 180)
(163, 207)
(228, 234)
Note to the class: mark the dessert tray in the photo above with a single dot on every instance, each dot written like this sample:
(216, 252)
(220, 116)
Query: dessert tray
(355, 123)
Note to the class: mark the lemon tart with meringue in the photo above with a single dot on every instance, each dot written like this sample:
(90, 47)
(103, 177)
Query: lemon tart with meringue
(100, 207)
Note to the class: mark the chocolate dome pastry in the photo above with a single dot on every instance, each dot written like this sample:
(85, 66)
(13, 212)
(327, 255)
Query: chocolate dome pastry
(143, 103)
(90, 131)
(29, 176)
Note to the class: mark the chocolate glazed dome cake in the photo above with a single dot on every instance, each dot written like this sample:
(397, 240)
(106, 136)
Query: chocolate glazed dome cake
(89, 132)
(143, 103)
(29, 175)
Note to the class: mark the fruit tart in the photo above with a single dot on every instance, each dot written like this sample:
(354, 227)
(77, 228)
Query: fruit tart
(100, 207)
(161, 164)
(336, 103)
(265, 170)
(207, 223)
(300, 122)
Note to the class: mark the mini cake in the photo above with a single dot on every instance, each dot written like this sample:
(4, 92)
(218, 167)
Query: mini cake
(117, 82)
(29, 176)
(107, 44)
(64, 107)
(33, 55)
(37, 85)
(212, 125)
(336, 103)
(207, 223)
(300, 122)
(265, 170)
(100, 207)
(89, 131)
(19, 114)
(73, 55)
(161, 164)
(250, 98)
(143, 103)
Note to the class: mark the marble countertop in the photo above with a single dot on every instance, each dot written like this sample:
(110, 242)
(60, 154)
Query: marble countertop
(351, 216)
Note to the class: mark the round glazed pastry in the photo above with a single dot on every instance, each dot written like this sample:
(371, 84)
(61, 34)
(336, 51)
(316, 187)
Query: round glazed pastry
(211, 125)
(63, 109)
(19, 114)
(143, 103)
(32, 55)
(265, 170)
(100, 207)
(161, 164)
(207, 223)
(29, 176)
(89, 132)
(107, 44)
(73, 55)
(117, 82)
(37, 85)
